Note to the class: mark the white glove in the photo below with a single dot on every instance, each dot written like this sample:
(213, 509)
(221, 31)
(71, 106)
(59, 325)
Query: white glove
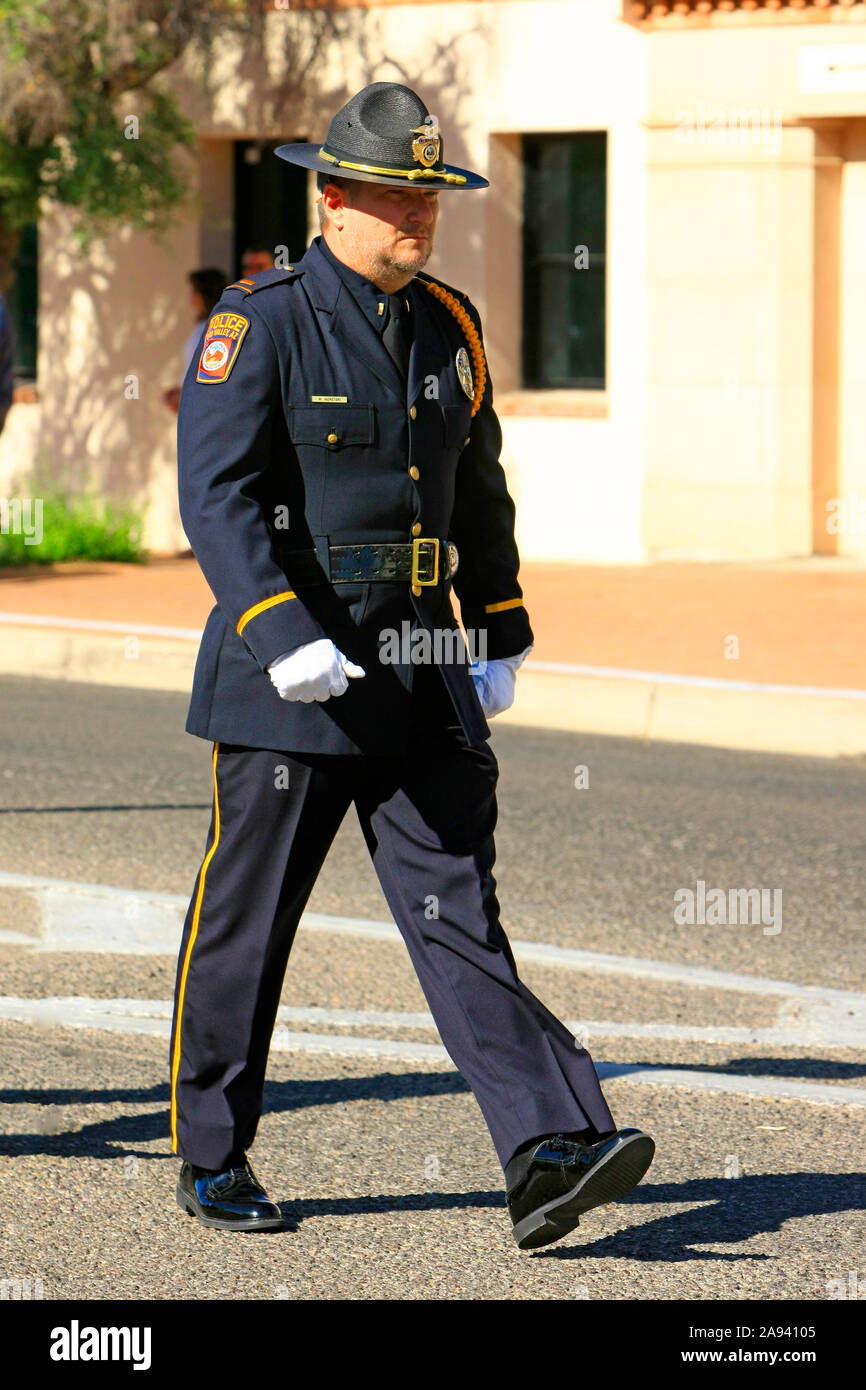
(312, 672)
(495, 681)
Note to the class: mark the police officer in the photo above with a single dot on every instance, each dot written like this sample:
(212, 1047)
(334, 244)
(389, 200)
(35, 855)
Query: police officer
(339, 477)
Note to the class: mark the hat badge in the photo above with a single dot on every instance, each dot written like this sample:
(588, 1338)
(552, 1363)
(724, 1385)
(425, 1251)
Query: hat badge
(425, 148)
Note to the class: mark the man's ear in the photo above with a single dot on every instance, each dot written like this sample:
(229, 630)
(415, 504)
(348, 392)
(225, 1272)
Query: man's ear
(334, 200)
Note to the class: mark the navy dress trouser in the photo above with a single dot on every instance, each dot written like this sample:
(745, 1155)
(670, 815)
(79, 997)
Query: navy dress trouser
(428, 818)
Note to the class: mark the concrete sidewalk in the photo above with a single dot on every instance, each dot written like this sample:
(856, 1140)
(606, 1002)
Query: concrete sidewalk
(765, 657)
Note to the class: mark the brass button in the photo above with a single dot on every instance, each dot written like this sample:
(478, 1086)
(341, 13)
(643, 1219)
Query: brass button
(416, 528)
(414, 473)
(333, 438)
(466, 441)
(413, 411)
(416, 589)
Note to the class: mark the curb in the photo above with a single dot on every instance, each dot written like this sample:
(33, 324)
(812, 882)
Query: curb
(753, 720)
(125, 657)
(649, 706)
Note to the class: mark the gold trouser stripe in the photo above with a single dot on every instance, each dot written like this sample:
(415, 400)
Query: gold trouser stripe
(258, 608)
(175, 1065)
(500, 607)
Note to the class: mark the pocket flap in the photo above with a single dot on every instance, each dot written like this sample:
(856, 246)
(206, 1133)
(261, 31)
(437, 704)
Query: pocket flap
(332, 426)
(457, 421)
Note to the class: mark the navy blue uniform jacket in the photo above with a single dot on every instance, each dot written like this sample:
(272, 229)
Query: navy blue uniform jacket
(266, 468)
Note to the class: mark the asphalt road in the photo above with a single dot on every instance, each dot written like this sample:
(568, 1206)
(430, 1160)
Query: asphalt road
(383, 1163)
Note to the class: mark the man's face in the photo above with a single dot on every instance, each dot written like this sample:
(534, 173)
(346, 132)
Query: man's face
(386, 232)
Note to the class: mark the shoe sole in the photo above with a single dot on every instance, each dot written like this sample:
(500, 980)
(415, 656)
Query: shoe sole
(261, 1223)
(613, 1176)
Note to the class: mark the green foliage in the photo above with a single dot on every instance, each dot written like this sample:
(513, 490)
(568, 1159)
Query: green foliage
(72, 72)
(77, 528)
(20, 180)
(110, 177)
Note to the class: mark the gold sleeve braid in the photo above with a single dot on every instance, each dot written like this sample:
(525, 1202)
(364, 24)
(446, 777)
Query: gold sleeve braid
(470, 332)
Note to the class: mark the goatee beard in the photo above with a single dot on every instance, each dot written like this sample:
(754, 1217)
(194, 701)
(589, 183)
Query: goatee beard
(395, 263)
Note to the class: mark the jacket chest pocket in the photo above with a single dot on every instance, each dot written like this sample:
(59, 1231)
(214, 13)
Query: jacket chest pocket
(332, 427)
(456, 422)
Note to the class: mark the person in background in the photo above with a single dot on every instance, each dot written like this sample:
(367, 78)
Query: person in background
(206, 287)
(256, 258)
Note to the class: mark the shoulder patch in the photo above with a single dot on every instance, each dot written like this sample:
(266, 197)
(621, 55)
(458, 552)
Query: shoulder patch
(222, 341)
(251, 284)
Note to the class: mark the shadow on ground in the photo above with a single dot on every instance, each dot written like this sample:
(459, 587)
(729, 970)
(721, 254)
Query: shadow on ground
(725, 1211)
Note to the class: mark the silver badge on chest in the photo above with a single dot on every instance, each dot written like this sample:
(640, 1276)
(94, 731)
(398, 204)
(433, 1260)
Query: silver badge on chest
(464, 371)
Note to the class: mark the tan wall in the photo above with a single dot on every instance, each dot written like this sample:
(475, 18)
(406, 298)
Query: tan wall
(826, 317)
(852, 340)
(216, 190)
(19, 444)
(577, 481)
(111, 325)
(756, 232)
(730, 349)
(777, 67)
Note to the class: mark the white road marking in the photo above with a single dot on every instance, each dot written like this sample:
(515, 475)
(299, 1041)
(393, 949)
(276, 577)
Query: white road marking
(130, 629)
(564, 668)
(555, 668)
(98, 918)
(153, 1017)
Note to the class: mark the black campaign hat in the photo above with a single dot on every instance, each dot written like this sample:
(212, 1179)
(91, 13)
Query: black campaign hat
(384, 134)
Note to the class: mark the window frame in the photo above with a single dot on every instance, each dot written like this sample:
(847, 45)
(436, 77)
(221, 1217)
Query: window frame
(533, 353)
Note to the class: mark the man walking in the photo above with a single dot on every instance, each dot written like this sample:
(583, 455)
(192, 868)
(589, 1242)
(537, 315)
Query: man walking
(339, 475)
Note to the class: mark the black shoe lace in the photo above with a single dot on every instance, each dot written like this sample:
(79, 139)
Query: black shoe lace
(245, 1174)
(242, 1176)
(559, 1141)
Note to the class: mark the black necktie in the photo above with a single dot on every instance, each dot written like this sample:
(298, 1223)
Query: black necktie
(397, 333)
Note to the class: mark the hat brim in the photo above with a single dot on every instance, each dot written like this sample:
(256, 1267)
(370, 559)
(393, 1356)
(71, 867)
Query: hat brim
(309, 157)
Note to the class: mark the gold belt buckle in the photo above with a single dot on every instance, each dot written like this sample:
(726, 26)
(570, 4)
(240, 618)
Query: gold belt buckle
(417, 559)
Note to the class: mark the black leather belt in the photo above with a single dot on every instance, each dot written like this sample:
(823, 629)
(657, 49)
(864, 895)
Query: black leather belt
(422, 562)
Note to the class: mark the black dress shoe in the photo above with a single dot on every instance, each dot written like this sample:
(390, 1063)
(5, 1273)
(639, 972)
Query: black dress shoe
(234, 1200)
(563, 1178)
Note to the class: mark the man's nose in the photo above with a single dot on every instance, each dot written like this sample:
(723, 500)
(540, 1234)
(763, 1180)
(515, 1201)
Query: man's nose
(423, 212)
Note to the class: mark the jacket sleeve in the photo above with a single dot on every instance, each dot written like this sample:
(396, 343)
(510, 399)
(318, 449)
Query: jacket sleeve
(482, 526)
(228, 426)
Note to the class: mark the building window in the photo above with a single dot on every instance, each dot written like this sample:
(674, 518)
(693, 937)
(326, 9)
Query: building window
(564, 237)
(22, 301)
(270, 202)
